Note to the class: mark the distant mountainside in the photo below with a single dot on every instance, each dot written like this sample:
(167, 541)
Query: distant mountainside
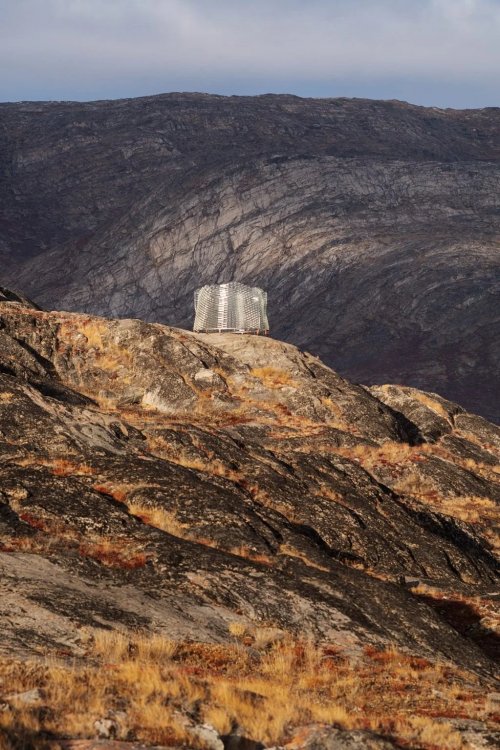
(374, 226)
(191, 534)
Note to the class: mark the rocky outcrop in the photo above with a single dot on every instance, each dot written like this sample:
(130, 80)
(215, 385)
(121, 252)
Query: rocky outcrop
(155, 478)
(373, 225)
(192, 525)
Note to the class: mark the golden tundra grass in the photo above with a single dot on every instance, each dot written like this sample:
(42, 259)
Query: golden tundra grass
(50, 534)
(108, 354)
(58, 466)
(271, 689)
(337, 418)
(432, 404)
(108, 551)
(273, 377)
(290, 551)
(207, 464)
(167, 520)
(468, 609)
(109, 357)
(402, 461)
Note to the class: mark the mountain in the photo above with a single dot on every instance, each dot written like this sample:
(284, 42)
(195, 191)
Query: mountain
(188, 532)
(373, 226)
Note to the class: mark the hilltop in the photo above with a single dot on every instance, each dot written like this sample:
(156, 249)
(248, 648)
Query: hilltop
(374, 226)
(231, 520)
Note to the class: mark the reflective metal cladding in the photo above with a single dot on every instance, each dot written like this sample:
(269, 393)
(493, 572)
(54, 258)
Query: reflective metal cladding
(231, 307)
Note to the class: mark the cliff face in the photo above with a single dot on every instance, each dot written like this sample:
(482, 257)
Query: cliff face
(157, 481)
(374, 226)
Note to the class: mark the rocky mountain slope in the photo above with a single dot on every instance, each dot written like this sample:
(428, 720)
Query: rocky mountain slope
(374, 226)
(157, 481)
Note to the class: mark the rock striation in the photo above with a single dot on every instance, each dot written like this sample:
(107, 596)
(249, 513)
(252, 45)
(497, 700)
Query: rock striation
(163, 493)
(373, 225)
(155, 478)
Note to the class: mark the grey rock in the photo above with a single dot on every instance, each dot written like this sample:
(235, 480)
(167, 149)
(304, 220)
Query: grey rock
(237, 741)
(28, 697)
(106, 729)
(476, 734)
(374, 226)
(207, 736)
(332, 738)
(267, 516)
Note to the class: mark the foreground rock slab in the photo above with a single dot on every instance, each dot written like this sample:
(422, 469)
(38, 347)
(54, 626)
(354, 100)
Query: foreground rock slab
(268, 498)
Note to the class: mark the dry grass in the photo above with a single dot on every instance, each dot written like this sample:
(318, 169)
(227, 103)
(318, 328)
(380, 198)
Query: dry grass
(390, 453)
(396, 464)
(53, 535)
(93, 329)
(64, 468)
(290, 551)
(470, 508)
(251, 554)
(329, 494)
(6, 396)
(112, 646)
(210, 466)
(480, 442)
(118, 492)
(166, 520)
(91, 339)
(481, 511)
(114, 553)
(154, 682)
(476, 617)
(491, 472)
(110, 552)
(273, 377)
(109, 355)
(416, 484)
(432, 404)
(273, 414)
(237, 629)
(204, 461)
(158, 446)
(337, 419)
(22, 543)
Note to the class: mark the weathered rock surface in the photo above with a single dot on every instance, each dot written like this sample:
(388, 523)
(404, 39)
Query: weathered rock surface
(332, 738)
(135, 493)
(373, 225)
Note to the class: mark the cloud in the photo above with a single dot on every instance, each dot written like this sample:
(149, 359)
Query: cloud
(92, 45)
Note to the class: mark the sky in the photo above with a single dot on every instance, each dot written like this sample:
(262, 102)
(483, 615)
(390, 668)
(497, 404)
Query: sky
(443, 53)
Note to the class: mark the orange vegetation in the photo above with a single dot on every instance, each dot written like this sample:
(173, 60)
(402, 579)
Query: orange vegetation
(273, 377)
(112, 553)
(270, 690)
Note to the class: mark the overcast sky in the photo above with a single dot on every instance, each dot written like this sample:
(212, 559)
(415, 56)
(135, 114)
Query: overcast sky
(437, 52)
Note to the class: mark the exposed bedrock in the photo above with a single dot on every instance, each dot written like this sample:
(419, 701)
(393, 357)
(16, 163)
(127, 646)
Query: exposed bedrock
(155, 478)
(374, 226)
